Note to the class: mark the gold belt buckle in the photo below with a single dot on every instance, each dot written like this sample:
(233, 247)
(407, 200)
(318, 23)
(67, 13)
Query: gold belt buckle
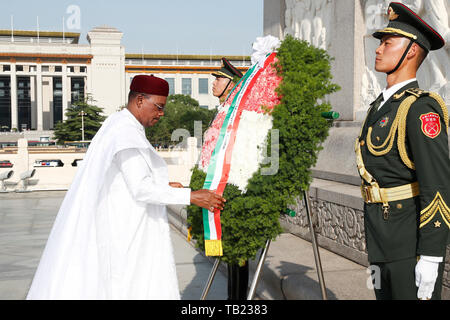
(366, 194)
(374, 194)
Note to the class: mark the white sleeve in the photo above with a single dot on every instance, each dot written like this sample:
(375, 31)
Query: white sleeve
(138, 177)
(432, 259)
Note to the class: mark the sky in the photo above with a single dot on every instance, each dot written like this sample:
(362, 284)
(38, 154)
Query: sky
(222, 27)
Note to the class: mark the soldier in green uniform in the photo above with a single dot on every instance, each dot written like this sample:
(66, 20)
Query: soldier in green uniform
(403, 159)
(225, 80)
(223, 84)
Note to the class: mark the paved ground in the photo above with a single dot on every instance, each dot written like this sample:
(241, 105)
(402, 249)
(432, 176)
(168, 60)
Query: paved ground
(25, 222)
(289, 272)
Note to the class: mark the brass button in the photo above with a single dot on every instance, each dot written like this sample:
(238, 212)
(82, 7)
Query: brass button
(362, 143)
(399, 206)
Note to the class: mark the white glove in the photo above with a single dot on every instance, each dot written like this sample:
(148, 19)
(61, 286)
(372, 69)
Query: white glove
(426, 275)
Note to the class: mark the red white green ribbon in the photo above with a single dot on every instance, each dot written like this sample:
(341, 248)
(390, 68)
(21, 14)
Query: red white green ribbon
(220, 163)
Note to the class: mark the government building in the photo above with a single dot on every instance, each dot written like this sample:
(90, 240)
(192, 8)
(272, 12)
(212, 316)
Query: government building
(42, 73)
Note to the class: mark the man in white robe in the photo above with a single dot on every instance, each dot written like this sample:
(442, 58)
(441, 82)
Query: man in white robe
(110, 239)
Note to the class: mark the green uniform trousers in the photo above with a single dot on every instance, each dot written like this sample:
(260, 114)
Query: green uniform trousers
(397, 280)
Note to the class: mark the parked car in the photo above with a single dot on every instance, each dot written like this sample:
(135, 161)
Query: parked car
(48, 163)
(5, 164)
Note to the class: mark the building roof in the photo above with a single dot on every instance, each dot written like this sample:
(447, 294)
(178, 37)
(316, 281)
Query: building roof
(34, 34)
(183, 57)
(105, 28)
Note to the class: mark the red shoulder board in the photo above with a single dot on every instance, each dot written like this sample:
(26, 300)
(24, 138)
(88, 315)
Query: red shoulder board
(431, 124)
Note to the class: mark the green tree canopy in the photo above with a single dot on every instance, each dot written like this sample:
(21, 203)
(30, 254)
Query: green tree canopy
(70, 129)
(181, 112)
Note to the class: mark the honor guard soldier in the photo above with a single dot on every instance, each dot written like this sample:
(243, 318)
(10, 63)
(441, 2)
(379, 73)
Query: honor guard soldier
(226, 79)
(403, 159)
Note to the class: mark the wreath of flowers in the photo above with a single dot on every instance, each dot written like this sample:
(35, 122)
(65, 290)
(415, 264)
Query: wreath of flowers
(250, 218)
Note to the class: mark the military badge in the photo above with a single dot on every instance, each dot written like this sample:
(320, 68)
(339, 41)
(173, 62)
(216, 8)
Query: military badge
(431, 124)
(384, 122)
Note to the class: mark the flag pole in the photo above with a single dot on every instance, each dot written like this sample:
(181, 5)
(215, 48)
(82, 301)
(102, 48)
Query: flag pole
(37, 22)
(12, 28)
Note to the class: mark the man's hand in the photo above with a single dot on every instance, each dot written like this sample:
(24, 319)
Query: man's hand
(176, 185)
(426, 275)
(207, 199)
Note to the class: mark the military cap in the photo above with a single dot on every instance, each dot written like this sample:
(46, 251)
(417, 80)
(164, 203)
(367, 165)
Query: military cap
(150, 85)
(227, 71)
(406, 23)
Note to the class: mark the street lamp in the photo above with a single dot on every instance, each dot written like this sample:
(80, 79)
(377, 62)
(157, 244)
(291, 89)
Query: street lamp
(82, 114)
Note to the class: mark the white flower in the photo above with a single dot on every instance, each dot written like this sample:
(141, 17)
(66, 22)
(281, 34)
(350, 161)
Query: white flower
(262, 47)
(248, 148)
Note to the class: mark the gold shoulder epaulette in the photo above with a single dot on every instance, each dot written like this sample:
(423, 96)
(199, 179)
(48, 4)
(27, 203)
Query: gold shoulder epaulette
(417, 92)
(412, 91)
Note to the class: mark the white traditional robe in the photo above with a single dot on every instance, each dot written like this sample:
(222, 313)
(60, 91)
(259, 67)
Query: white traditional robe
(110, 239)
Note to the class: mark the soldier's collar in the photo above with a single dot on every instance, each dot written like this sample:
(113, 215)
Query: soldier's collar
(411, 84)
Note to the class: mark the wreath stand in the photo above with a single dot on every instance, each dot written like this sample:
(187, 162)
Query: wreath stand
(262, 258)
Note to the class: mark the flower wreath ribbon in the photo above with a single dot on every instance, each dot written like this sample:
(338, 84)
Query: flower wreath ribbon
(220, 164)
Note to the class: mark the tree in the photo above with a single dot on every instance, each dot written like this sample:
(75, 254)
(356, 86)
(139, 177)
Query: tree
(71, 129)
(181, 112)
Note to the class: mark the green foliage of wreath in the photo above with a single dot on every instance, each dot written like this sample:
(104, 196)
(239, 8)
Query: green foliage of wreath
(251, 218)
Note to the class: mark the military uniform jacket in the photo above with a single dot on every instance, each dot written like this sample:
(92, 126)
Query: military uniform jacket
(415, 226)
